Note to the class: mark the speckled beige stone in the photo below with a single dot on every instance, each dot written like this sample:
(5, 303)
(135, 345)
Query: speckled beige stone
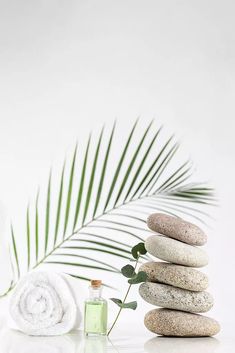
(176, 228)
(178, 323)
(175, 275)
(176, 298)
(175, 251)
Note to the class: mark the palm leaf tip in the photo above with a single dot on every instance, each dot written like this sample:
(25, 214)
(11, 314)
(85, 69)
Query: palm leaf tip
(36, 227)
(142, 163)
(118, 169)
(70, 189)
(48, 205)
(58, 212)
(28, 238)
(81, 185)
(15, 251)
(151, 172)
(131, 164)
(103, 172)
(92, 177)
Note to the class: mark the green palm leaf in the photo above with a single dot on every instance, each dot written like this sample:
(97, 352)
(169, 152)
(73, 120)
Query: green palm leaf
(15, 253)
(36, 227)
(71, 255)
(28, 237)
(58, 212)
(48, 205)
(81, 186)
(100, 213)
(70, 189)
(130, 166)
(116, 174)
(93, 171)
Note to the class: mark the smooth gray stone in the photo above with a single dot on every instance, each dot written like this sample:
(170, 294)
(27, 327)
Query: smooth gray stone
(176, 228)
(172, 250)
(178, 323)
(176, 298)
(175, 275)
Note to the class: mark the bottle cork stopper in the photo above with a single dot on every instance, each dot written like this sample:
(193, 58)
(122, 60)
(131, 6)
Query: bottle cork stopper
(96, 283)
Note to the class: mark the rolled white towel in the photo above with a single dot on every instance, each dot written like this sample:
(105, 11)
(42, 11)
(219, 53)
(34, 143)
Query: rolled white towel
(43, 304)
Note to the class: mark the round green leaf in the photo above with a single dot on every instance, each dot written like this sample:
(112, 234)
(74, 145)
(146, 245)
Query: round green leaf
(128, 271)
(138, 278)
(138, 250)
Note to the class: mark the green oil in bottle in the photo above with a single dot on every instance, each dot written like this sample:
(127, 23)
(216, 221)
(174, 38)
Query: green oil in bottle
(95, 322)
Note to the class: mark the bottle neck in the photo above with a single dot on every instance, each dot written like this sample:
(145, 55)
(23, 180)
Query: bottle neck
(95, 293)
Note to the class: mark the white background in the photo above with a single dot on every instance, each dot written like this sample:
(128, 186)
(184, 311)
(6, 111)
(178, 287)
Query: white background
(67, 67)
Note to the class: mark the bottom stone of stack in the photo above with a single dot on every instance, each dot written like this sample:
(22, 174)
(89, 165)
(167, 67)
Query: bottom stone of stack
(167, 322)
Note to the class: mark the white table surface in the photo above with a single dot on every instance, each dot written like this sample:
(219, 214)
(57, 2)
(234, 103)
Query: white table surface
(131, 339)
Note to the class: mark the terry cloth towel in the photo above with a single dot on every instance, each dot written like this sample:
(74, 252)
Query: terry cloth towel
(43, 304)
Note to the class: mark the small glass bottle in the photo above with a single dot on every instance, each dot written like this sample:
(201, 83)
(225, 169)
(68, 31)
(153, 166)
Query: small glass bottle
(95, 318)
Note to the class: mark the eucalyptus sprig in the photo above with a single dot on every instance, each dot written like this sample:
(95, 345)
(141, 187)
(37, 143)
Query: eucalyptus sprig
(129, 272)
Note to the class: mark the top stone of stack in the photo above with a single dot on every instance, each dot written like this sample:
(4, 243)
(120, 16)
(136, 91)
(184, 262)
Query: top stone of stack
(176, 228)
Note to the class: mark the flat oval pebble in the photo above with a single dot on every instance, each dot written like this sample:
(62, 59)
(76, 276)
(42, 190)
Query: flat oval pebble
(176, 298)
(176, 228)
(178, 323)
(172, 250)
(175, 275)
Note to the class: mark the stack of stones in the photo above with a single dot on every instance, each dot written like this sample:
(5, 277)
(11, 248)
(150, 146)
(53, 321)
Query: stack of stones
(175, 285)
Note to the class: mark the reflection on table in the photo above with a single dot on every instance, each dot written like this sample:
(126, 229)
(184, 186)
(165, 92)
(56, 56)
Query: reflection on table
(12, 341)
(181, 345)
(95, 345)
